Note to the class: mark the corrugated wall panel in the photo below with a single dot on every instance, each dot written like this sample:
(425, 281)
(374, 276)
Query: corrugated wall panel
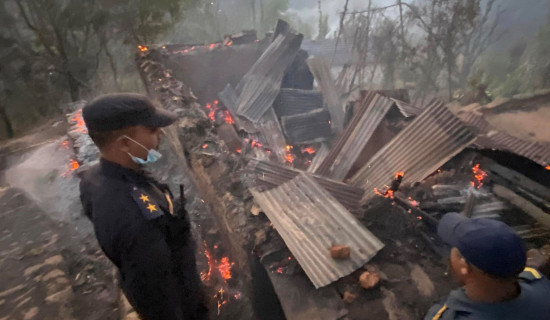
(432, 139)
(310, 221)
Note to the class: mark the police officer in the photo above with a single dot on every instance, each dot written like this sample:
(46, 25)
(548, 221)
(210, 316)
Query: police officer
(488, 260)
(137, 224)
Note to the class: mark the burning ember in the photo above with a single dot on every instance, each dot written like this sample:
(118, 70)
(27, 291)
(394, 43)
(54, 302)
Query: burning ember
(204, 146)
(290, 157)
(547, 167)
(387, 194)
(72, 166)
(142, 48)
(394, 186)
(223, 266)
(414, 202)
(213, 109)
(479, 176)
(308, 150)
(79, 122)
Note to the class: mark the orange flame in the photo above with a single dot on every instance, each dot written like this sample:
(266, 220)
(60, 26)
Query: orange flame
(479, 176)
(228, 118)
(230, 43)
(280, 270)
(387, 194)
(399, 174)
(74, 165)
(204, 146)
(547, 167)
(224, 268)
(239, 150)
(308, 150)
(79, 122)
(290, 157)
(142, 48)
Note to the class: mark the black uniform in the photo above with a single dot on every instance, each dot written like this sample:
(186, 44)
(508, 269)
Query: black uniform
(148, 239)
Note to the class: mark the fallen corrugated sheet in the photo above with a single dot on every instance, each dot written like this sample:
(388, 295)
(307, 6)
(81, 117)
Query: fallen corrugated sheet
(295, 101)
(348, 147)
(229, 99)
(271, 130)
(309, 127)
(261, 84)
(319, 157)
(408, 110)
(536, 151)
(490, 138)
(270, 175)
(429, 141)
(321, 71)
(310, 221)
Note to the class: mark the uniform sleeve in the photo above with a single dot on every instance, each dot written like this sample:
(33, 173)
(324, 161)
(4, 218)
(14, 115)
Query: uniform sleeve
(149, 278)
(85, 198)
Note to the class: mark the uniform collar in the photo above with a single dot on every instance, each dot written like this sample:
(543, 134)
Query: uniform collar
(115, 170)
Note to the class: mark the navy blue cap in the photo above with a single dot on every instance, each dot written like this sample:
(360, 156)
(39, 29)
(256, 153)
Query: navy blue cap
(120, 110)
(490, 245)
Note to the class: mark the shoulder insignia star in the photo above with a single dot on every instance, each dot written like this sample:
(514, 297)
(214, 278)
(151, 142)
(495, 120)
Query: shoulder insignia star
(146, 204)
(151, 207)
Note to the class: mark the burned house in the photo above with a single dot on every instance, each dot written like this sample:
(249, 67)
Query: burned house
(287, 168)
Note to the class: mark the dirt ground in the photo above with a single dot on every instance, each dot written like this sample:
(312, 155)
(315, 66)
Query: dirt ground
(532, 125)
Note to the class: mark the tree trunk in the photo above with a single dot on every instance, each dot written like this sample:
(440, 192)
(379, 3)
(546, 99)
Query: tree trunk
(73, 86)
(7, 121)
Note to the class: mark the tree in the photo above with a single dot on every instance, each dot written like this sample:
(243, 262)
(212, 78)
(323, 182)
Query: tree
(455, 28)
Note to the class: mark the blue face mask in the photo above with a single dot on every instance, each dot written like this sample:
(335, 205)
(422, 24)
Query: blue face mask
(152, 154)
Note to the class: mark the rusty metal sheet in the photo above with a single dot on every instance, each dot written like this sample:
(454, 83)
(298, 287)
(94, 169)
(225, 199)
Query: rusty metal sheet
(261, 84)
(429, 141)
(269, 175)
(295, 101)
(308, 127)
(331, 96)
(310, 220)
(490, 138)
(351, 143)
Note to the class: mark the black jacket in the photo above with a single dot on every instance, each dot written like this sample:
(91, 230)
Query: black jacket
(152, 247)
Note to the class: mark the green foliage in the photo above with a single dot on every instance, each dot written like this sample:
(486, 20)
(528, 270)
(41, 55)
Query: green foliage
(523, 68)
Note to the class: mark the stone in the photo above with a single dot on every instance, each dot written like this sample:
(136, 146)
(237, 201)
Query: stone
(369, 280)
(340, 252)
(349, 297)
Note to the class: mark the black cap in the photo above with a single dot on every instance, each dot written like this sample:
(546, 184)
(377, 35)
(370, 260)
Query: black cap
(120, 110)
(490, 245)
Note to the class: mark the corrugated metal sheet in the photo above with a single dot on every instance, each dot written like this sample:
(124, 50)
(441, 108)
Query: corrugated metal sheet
(295, 101)
(319, 157)
(536, 151)
(229, 99)
(270, 175)
(326, 49)
(309, 127)
(261, 84)
(331, 96)
(429, 141)
(408, 110)
(273, 134)
(351, 143)
(490, 138)
(310, 221)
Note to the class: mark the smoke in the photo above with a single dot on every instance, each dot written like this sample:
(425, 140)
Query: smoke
(46, 177)
(308, 11)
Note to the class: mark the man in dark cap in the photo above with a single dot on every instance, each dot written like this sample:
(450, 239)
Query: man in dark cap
(137, 224)
(488, 260)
